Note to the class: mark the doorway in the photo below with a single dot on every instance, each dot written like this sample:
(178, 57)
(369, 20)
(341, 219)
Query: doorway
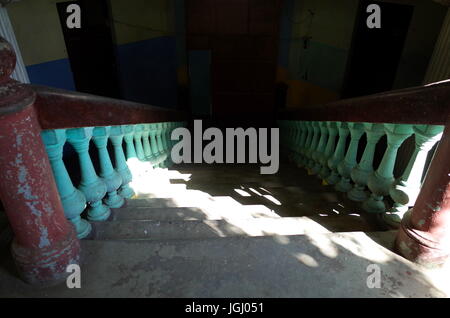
(375, 53)
(90, 48)
(242, 38)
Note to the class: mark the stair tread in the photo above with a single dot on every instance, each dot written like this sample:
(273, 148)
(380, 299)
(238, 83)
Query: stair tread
(190, 213)
(316, 265)
(232, 226)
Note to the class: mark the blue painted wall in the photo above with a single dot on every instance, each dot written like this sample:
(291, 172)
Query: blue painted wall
(148, 71)
(54, 73)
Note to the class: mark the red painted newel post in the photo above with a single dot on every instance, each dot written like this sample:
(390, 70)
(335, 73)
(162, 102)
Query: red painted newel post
(44, 241)
(424, 236)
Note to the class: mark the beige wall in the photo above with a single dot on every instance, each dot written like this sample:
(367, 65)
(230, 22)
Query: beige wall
(38, 31)
(139, 20)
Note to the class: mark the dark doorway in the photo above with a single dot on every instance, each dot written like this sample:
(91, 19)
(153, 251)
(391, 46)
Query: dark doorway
(375, 53)
(242, 36)
(90, 48)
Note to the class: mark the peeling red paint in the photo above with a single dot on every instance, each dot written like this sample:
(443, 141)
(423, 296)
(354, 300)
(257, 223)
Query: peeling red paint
(44, 241)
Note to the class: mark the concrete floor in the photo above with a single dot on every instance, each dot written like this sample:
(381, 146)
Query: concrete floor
(227, 231)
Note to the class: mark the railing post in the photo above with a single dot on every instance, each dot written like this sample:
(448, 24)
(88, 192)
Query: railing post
(345, 167)
(406, 189)
(111, 177)
(424, 235)
(93, 187)
(72, 199)
(116, 137)
(361, 173)
(44, 242)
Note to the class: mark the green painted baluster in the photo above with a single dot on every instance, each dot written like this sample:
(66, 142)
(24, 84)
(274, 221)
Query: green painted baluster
(329, 150)
(406, 189)
(338, 155)
(301, 140)
(381, 180)
(308, 140)
(72, 199)
(169, 129)
(313, 146)
(154, 145)
(138, 129)
(165, 128)
(91, 185)
(146, 143)
(116, 137)
(110, 176)
(160, 145)
(320, 148)
(129, 136)
(361, 173)
(293, 141)
(345, 167)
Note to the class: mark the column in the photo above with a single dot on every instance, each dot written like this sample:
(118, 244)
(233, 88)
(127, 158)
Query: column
(91, 185)
(361, 173)
(406, 189)
(381, 180)
(72, 199)
(338, 155)
(116, 137)
(111, 177)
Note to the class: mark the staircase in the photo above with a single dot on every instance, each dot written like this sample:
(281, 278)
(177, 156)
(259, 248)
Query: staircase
(227, 231)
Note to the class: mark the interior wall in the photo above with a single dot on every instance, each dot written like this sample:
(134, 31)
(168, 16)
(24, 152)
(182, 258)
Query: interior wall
(149, 47)
(146, 50)
(39, 36)
(316, 74)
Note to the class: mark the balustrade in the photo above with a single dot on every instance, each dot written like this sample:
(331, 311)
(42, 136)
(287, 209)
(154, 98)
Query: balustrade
(312, 144)
(112, 185)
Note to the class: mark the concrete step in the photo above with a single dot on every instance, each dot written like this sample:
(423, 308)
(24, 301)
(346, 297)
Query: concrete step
(190, 213)
(316, 265)
(167, 230)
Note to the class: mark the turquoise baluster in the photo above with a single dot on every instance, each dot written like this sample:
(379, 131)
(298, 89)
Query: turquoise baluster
(301, 141)
(146, 143)
(381, 180)
(91, 185)
(111, 177)
(345, 167)
(168, 144)
(116, 137)
(164, 127)
(72, 199)
(338, 155)
(308, 140)
(129, 137)
(361, 173)
(405, 190)
(163, 156)
(313, 146)
(329, 150)
(154, 145)
(320, 148)
(138, 129)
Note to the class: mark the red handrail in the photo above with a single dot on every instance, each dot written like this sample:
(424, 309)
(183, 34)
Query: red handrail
(58, 108)
(417, 105)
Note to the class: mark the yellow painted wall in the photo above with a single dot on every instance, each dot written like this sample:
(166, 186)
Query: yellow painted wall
(301, 94)
(332, 23)
(38, 31)
(140, 20)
